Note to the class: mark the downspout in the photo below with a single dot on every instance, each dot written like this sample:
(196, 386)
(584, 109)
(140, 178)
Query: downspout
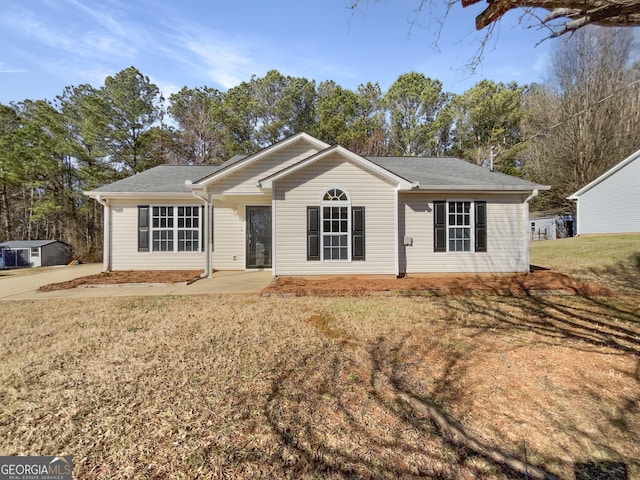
(106, 236)
(208, 271)
(396, 231)
(527, 267)
(578, 222)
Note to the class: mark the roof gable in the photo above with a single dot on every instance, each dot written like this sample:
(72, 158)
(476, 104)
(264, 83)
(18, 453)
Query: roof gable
(267, 182)
(634, 156)
(232, 166)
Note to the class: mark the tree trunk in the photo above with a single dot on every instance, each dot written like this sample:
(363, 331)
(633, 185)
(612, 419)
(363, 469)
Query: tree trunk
(8, 232)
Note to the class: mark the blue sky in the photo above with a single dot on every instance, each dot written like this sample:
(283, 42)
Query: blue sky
(49, 44)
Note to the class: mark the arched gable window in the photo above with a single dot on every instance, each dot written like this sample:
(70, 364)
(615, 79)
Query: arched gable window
(335, 195)
(336, 224)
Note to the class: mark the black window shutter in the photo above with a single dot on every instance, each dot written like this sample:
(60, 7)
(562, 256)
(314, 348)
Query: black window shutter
(357, 233)
(143, 228)
(313, 233)
(481, 226)
(202, 239)
(439, 227)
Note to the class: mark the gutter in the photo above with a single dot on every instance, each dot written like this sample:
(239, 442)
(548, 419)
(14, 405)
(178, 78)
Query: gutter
(534, 193)
(171, 195)
(106, 236)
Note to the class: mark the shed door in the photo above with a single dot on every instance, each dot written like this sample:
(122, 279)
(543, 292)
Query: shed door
(16, 257)
(258, 237)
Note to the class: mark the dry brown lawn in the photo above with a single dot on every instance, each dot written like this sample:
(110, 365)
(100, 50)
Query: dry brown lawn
(252, 387)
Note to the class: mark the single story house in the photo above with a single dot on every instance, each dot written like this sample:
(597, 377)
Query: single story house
(611, 203)
(302, 207)
(34, 253)
(549, 226)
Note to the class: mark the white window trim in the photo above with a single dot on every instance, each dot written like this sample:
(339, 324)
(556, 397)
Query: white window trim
(335, 203)
(472, 225)
(175, 229)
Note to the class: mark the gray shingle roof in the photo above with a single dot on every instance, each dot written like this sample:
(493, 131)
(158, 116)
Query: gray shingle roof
(228, 163)
(442, 172)
(161, 179)
(429, 172)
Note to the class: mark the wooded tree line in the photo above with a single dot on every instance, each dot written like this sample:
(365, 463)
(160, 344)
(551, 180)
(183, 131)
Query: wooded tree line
(565, 132)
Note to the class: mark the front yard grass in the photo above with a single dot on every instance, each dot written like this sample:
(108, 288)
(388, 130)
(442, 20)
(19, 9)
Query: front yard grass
(613, 260)
(252, 387)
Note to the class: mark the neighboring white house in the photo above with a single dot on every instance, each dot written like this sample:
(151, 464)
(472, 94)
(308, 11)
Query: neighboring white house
(304, 207)
(611, 203)
(544, 226)
(34, 253)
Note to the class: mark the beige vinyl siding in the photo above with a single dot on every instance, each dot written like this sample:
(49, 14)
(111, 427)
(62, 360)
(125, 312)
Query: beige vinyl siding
(124, 240)
(305, 188)
(243, 181)
(229, 241)
(505, 237)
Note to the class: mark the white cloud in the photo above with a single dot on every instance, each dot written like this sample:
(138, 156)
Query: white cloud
(225, 63)
(4, 68)
(65, 35)
(224, 59)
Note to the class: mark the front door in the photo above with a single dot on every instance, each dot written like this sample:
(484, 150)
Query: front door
(258, 237)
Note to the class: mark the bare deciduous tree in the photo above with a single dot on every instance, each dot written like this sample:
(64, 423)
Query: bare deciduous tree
(585, 118)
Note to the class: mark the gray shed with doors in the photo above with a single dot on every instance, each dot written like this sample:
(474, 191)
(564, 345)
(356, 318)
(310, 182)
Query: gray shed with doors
(34, 253)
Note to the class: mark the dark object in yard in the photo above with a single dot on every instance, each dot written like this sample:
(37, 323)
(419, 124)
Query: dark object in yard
(601, 470)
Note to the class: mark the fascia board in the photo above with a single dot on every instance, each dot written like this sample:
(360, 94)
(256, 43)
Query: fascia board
(478, 188)
(167, 195)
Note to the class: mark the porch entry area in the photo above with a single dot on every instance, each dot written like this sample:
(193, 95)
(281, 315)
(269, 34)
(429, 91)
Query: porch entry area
(258, 237)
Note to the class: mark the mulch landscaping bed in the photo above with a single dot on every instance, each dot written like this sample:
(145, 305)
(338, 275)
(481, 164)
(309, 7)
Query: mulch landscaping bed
(536, 283)
(539, 282)
(128, 276)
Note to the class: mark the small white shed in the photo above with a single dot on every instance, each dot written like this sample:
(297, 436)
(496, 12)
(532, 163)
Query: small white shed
(34, 253)
(611, 203)
(550, 227)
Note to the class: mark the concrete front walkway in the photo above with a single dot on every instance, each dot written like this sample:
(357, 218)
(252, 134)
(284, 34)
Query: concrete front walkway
(24, 285)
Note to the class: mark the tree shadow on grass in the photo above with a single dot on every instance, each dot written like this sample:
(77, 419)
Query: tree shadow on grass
(352, 410)
(623, 275)
(344, 425)
(608, 326)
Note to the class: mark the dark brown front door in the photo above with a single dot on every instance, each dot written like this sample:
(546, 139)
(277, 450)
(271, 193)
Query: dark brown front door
(258, 237)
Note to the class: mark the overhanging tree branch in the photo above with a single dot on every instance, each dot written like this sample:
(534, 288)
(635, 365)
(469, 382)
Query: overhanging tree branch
(570, 15)
(577, 13)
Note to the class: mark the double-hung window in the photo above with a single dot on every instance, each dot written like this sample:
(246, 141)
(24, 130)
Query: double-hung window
(170, 228)
(188, 229)
(460, 226)
(335, 225)
(335, 229)
(162, 229)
